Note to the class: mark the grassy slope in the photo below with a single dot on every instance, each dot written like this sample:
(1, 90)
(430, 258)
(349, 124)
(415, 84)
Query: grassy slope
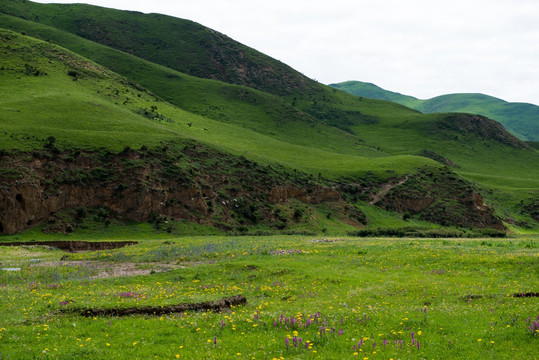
(175, 43)
(373, 91)
(264, 113)
(493, 165)
(90, 112)
(214, 100)
(519, 118)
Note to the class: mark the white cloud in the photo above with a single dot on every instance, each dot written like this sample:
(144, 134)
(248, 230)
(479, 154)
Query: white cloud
(418, 47)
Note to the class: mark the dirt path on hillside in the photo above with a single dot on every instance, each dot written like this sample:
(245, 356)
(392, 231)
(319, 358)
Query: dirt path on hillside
(385, 189)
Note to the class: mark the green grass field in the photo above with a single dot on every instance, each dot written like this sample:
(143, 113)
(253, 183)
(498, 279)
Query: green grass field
(332, 298)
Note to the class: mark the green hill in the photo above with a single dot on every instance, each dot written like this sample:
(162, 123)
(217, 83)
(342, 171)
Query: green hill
(178, 44)
(519, 118)
(358, 146)
(373, 91)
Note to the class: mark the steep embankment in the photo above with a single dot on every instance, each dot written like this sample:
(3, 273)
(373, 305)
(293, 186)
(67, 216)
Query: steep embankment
(180, 181)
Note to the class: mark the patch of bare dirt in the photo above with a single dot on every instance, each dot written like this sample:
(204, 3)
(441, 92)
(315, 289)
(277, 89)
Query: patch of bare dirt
(286, 252)
(216, 306)
(385, 189)
(113, 269)
(325, 240)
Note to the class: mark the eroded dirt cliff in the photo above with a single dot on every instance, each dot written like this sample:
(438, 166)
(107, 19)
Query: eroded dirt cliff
(181, 182)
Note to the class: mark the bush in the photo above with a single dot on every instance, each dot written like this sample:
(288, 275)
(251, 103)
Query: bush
(426, 232)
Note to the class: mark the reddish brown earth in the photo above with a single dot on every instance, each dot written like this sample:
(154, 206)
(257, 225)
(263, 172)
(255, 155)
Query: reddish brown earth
(196, 184)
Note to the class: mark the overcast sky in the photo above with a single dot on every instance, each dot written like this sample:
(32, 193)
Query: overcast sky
(422, 48)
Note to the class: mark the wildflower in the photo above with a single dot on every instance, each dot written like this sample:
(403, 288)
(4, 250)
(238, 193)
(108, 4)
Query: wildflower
(287, 343)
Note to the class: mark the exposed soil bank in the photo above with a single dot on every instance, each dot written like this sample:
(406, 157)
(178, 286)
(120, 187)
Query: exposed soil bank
(58, 189)
(527, 294)
(74, 246)
(216, 306)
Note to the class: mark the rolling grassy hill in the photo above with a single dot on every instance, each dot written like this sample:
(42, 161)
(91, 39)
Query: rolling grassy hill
(521, 119)
(178, 44)
(126, 94)
(90, 110)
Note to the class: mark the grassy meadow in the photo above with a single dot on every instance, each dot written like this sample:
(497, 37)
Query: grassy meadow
(307, 298)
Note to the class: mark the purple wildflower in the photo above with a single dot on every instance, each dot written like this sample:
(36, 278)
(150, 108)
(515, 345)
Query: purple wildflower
(287, 342)
(534, 327)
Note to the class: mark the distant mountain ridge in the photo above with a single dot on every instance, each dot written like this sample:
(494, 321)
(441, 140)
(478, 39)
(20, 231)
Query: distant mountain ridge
(521, 119)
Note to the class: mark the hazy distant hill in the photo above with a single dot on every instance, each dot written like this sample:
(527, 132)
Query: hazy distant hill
(521, 119)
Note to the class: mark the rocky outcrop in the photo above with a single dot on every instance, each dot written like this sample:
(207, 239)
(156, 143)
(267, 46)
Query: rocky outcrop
(283, 193)
(440, 196)
(478, 125)
(192, 183)
(26, 204)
